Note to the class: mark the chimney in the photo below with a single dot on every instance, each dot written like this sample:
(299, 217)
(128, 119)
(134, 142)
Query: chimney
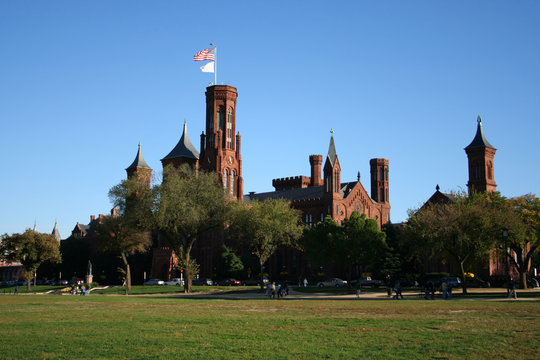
(316, 163)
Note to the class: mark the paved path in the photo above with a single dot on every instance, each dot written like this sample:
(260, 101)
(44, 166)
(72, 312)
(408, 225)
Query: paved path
(365, 295)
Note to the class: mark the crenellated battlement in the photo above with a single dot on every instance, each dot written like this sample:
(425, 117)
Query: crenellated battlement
(294, 182)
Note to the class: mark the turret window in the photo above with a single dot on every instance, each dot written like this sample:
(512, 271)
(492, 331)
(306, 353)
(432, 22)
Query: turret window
(233, 174)
(221, 118)
(381, 174)
(336, 181)
(229, 130)
(225, 178)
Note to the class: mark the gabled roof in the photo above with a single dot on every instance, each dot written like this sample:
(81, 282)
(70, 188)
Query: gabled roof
(332, 155)
(479, 139)
(184, 148)
(139, 161)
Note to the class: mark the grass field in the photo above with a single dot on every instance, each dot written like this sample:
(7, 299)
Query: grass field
(160, 327)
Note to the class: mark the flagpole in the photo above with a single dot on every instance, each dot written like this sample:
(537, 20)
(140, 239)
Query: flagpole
(215, 63)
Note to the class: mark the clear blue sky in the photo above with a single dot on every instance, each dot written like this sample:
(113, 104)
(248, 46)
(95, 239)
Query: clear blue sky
(81, 83)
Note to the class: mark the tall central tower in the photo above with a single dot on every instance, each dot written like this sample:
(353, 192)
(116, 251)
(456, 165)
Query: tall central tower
(220, 147)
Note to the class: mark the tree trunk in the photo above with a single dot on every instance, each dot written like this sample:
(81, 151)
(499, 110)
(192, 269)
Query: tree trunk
(462, 269)
(128, 273)
(261, 264)
(187, 275)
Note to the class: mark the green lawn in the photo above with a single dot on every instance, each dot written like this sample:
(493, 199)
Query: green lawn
(142, 327)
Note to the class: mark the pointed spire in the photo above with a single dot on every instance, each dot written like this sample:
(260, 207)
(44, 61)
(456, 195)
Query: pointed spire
(332, 155)
(184, 148)
(139, 161)
(55, 231)
(479, 139)
(35, 227)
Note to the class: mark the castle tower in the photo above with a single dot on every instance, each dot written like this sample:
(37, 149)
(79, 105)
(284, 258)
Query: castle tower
(140, 168)
(379, 180)
(55, 231)
(480, 154)
(183, 153)
(332, 178)
(220, 147)
(316, 164)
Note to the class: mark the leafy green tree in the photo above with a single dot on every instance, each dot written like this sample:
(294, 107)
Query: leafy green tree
(118, 235)
(127, 232)
(364, 243)
(190, 206)
(230, 264)
(321, 241)
(358, 242)
(30, 249)
(520, 217)
(461, 231)
(265, 226)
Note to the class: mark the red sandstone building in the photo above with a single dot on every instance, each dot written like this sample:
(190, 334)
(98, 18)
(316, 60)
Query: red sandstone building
(316, 196)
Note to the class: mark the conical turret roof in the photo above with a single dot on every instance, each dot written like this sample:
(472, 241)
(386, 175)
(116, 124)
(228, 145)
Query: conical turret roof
(139, 161)
(184, 148)
(55, 231)
(479, 139)
(332, 155)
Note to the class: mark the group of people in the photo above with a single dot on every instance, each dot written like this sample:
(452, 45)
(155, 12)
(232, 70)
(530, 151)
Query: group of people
(279, 290)
(79, 290)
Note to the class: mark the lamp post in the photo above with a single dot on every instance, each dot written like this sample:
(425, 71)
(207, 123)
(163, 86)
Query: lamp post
(507, 268)
(271, 246)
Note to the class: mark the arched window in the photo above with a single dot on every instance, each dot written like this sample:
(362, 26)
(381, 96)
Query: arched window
(490, 171)
(233, 175)
(228, 133)
(336, 181)
(225, 178)
(381, 174)
(328, 183)
(221, 118)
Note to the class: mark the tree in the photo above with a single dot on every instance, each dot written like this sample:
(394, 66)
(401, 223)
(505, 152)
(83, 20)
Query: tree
(30, 249)
(358, 242)
(190, 206)
(264, 226)
(364, 242)
(127, 232)
(520, 217)
(118, 235)
(320, 242)
(461, 230)
(230, 265)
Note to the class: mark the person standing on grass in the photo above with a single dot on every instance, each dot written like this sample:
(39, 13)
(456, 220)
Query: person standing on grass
(16, 288)
(358, 290)
(512, 287)
(444, 288)
(269, 290)
(397, 289)
(305, 282)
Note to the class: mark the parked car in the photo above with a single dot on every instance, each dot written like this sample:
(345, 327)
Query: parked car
(476, 282)
(336, 282)
(452, 281)
(367, 281)
(202, 281)
(256, 281)
(229, 282)
(532, 283)
(154, 282)
(175, 282)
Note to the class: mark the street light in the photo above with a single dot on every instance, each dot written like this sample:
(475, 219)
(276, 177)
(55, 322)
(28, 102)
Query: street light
(505, 237)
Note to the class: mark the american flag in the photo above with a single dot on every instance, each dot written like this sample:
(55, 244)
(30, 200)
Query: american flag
(206, 54)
